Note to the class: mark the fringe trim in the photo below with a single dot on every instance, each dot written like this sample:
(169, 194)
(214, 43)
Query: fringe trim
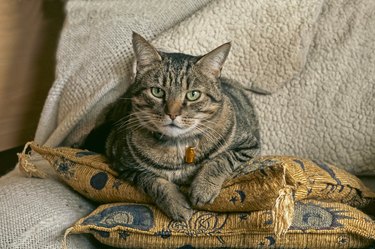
(26, 167)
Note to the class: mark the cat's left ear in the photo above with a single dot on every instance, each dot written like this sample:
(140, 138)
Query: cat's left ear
(212, 62)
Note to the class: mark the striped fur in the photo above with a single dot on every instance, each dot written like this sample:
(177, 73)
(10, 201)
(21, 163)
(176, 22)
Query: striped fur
(149, 135)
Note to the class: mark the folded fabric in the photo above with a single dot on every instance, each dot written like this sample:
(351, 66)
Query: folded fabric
(34, 213)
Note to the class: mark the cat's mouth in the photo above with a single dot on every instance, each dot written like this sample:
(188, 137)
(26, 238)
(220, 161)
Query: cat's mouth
(173, 125)
(173, 130)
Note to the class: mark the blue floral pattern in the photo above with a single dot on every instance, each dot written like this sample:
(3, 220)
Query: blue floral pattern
(312, 216)
(65, 168)
(134, 216)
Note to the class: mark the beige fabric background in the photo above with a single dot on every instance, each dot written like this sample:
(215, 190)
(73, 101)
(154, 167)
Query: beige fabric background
(316, 57)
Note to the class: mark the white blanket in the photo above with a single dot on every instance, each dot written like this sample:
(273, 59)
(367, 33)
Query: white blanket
(316, 57)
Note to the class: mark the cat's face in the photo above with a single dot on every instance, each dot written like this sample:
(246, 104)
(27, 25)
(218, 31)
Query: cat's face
(176, 94)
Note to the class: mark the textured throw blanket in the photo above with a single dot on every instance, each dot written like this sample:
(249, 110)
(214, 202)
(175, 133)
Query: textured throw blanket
(312, 60)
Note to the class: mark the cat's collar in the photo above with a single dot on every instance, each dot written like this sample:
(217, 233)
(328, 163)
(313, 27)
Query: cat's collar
(190, 151)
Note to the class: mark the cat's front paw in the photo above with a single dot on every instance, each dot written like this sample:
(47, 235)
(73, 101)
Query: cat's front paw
(176, 207)
(203, 191)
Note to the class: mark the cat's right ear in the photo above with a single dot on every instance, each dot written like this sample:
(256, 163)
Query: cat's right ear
(145, 53)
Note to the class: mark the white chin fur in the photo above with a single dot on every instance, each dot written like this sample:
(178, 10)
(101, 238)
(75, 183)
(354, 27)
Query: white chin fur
(173, 131)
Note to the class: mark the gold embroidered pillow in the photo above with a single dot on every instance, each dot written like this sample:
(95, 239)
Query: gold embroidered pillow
(316, 224)
(256, 188)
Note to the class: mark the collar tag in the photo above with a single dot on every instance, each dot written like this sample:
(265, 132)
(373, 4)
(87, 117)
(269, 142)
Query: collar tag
(190, 155)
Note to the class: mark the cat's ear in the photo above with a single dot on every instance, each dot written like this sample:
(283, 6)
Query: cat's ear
(145, 53)
(212, 62)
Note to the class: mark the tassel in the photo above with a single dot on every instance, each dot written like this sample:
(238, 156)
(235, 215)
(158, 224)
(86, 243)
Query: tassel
(283, 212)
(64, 242)
(26, 167)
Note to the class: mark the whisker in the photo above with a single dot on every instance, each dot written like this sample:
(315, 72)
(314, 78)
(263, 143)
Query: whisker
(134, 123)
(210, 139)
(129, 116)
(211, 128)
(212, 134)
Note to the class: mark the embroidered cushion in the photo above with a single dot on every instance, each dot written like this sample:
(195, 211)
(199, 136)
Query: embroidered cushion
(316, 224)
(260, 186)
(255, 188)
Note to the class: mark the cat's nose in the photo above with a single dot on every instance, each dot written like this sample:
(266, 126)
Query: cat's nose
(173, 109)
(172, 116)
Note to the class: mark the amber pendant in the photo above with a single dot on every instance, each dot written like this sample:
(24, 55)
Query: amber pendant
(190, 155)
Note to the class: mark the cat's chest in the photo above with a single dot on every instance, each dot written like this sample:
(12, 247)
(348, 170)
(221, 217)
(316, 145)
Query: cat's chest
(168, 160)
(168, 155)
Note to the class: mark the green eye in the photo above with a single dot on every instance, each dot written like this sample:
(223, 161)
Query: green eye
(157, 92)
(193, 95)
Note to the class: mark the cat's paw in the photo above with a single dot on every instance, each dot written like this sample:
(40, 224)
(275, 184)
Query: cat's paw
(176, 207)
(178, 210)
(203, 191)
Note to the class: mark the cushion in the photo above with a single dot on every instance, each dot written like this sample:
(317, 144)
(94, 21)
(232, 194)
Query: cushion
(256, 187)
(316, 224)
(290, 190)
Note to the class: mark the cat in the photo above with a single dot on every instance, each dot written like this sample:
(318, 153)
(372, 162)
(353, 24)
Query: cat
(179, 123)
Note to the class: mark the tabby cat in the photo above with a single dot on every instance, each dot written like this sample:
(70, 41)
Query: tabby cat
(179, 123)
